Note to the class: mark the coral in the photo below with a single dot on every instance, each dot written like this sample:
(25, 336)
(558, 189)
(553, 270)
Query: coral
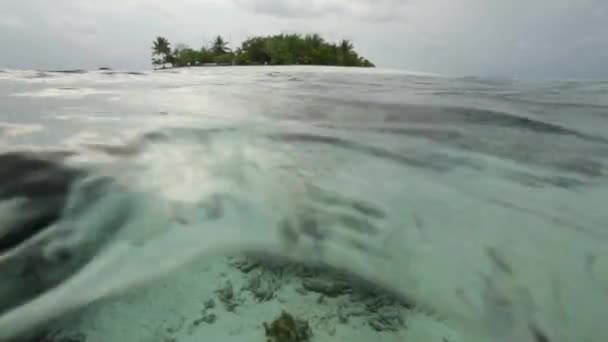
(226, 296)
(263, 285)
(387, 319)
(327, 286)
(382, 309)
(286, 328)
(207, 317)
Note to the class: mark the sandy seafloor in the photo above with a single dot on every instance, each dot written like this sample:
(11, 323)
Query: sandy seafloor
(229, 299)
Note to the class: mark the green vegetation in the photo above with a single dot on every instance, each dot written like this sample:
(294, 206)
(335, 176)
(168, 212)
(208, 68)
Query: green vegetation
(282, 49)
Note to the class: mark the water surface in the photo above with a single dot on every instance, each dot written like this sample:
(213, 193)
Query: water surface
(480, 199)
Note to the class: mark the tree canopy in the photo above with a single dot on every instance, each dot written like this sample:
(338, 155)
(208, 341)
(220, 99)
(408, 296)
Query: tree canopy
(282, 49)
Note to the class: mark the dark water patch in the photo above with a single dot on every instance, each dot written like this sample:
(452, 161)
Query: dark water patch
(566, 161)
(316, 114)
(281, 76)
(52, 335)
(493, 81)
(170, 87)
(572, 159)
(39, 74)
(451, 161)
(306, 112)
(196, 135)
(71, 71)
(535, 181)
(503, 119)
(440, 161)
(132, 73)
(582, 165)
(43, 182)
(466, 115)
(45, 186)
(156, 137)
(556, 104)
(335, 199)
(361, 148)
(315, 223)
(448, 93)
(485, 94)
(111, 150)
(437, 134)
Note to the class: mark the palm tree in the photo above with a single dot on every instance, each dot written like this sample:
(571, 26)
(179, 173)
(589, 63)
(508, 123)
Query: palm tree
(346, 47)
(315, 40)
(220, 46)
(161, 47)
(347, 52)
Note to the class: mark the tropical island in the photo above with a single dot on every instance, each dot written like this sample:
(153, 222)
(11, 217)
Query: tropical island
(281, 49)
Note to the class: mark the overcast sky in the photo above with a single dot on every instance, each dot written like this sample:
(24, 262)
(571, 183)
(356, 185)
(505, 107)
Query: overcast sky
(533, 38)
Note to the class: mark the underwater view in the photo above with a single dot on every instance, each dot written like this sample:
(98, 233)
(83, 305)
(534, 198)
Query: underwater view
(301, 203)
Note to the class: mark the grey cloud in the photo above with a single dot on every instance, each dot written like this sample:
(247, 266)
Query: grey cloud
(290, 8)
(75, 26)
(11, 22)
(89, 30)
(373, 10)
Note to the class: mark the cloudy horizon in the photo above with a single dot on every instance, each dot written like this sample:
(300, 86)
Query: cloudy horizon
(538, 38)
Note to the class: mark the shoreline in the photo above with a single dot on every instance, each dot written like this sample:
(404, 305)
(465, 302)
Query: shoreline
(215, 65)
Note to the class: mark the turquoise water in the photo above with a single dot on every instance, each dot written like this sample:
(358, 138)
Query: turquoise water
(480, 201)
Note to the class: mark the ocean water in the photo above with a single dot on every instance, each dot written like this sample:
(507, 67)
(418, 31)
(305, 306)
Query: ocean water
(481, 201)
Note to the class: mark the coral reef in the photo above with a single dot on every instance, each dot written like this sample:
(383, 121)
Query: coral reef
(356, 298)
(286, 328)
